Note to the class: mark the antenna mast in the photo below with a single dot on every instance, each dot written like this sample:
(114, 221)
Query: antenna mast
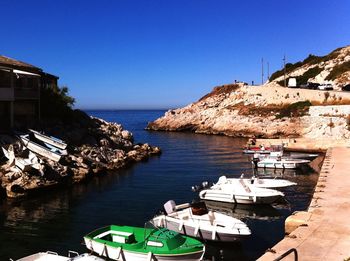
(262, 71)
(284, 66)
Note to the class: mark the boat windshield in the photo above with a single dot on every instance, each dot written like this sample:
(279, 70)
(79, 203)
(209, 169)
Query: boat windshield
(151, 231)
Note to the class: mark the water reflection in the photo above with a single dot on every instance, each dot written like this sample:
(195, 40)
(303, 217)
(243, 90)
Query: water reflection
(241, 211)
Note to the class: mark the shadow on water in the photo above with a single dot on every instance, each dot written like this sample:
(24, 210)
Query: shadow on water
(57, 220)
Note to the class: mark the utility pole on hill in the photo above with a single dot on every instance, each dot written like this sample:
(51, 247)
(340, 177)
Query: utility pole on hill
(262, 71)
(284, 66)
(268, 71)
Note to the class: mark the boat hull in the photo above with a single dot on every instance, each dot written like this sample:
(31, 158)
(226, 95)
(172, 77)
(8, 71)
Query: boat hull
(238, 199)
(280, 165)
(50, 140)
(125, 255)
(204, 234)
(40, 149)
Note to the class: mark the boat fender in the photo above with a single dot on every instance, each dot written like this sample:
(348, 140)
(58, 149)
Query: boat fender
(160, 222)
(150, 256)
(213, 235)
(91, 246)
(181, 225)
(211, 217)
(105, 250)
(120, 253)
(196, 230)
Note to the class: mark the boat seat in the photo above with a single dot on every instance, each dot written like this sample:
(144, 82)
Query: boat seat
(123, 237)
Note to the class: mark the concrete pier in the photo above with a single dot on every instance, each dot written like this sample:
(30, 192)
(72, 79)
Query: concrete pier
(305, 144)
(323, 231)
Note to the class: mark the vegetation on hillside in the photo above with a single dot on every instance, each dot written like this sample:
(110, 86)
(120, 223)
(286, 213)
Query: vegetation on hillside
(310, 60)
(296, 109)
(303, 79)
(227, 88)
(338, 70)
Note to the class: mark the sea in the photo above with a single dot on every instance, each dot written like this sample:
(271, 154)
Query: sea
(58, 219)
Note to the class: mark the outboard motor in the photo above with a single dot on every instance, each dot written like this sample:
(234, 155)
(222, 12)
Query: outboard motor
(170, 207)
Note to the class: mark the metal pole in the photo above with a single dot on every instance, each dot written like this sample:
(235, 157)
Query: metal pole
(284, 66)
(262, 71)
(268, 70)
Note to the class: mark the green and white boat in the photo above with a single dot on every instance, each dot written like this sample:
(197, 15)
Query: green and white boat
(128, 243)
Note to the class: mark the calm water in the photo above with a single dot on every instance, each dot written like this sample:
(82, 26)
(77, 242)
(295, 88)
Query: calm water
(57, 220)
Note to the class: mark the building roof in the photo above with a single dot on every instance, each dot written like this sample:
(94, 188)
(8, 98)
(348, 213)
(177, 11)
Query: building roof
(7, 61)
(15, 64)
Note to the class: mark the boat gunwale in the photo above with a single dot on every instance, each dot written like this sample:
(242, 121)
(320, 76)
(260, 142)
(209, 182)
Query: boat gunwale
(180, 250)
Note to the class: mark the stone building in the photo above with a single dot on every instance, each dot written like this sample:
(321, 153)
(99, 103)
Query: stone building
(20, 85)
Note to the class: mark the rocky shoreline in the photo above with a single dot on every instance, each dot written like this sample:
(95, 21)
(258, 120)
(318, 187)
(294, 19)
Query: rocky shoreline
(94, 147)
(268, 111)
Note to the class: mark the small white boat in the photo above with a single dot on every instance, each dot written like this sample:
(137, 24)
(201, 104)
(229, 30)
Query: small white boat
(24, 164)
(49, 140)
(257, 182)
(40, 149)
(240, 192)
(196, 221)
(276, 161)
(53, 256)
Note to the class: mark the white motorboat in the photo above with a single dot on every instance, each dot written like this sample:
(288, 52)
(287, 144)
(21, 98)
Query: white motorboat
(41, 149)
(276, 161)
(240, 192)
(49, 140)
(53, 256)
(256, 181)
(196, 221)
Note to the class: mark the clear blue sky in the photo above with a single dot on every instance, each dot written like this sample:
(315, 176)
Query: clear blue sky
(165, 53)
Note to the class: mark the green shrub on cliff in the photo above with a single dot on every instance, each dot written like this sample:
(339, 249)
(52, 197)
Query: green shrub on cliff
(311, 73)
(224, 89)
(55, 102)
(296, 109)
(338, 70)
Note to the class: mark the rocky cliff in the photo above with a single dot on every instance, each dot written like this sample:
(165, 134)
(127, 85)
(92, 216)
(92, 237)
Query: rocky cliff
(269, 111)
